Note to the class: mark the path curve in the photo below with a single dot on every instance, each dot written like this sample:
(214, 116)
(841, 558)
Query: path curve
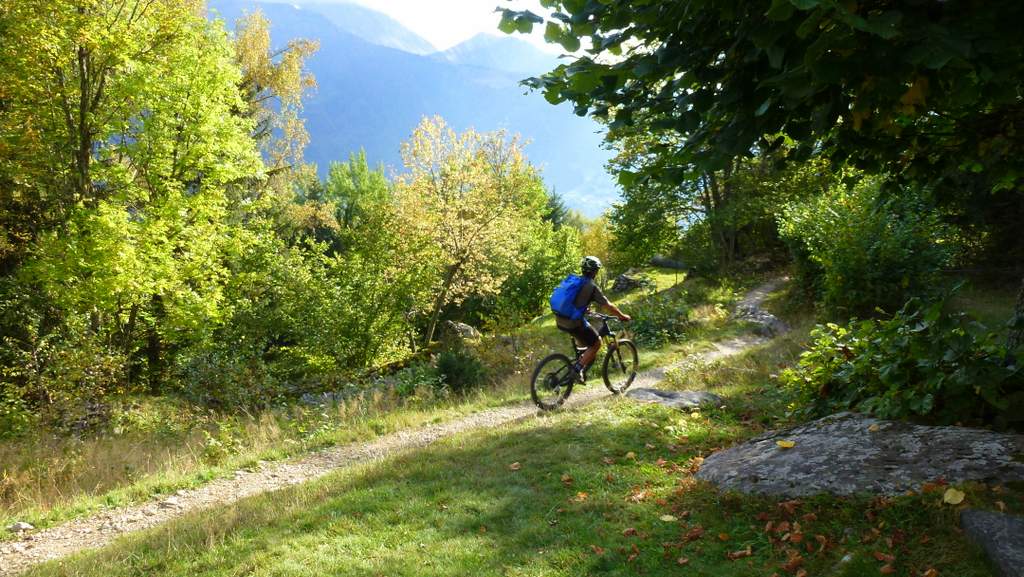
(99, 530)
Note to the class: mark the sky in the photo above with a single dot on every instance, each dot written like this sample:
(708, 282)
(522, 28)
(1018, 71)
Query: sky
(445, 23)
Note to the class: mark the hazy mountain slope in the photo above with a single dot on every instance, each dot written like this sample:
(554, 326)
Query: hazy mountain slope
(370, 25)
(371, 97)
(503, 53)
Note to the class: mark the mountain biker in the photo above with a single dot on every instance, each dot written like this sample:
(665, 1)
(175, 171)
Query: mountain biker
(580, 329)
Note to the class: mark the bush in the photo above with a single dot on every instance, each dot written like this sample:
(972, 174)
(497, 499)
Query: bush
(418, 375)
(460, 370)
(858, 250)
(921, 362)
(660, 318)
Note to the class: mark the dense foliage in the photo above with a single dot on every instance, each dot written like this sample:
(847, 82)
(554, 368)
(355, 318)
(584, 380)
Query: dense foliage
(923, 362)
(160, 232)
(860, 251)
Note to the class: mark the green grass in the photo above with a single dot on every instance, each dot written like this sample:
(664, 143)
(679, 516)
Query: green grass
(589, 496)
(164, 445)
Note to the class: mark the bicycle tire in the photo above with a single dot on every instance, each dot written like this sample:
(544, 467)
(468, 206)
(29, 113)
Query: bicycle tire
(559, 363)
(625, 367)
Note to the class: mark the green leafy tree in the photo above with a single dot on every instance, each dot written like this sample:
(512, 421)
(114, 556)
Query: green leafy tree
(471, 196)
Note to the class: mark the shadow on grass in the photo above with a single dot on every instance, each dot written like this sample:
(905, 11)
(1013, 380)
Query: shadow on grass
(588, 496)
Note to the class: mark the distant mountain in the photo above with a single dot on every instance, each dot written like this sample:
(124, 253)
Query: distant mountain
(370, 25)
(503, 53)
(371, 97)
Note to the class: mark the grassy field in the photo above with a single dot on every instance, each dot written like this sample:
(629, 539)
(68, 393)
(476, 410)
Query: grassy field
(160, 445)
(605, 490)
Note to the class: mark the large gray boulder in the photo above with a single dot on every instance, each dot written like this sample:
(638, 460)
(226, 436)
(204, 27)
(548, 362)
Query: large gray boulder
(1001, 536)
(461, 330)
(676, 399)
(849, 453)
(766, 324)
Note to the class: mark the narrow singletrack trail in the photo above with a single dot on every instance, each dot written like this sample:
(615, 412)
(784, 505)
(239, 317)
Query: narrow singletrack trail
(100, 529)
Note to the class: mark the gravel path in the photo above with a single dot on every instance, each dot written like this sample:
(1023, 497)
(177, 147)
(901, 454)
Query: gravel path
(100, 529)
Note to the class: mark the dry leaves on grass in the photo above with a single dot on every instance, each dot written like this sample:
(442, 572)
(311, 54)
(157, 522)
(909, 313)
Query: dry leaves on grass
(953, 496)
(567, 479)
(734, 555)
(515, 466)
(693, 534)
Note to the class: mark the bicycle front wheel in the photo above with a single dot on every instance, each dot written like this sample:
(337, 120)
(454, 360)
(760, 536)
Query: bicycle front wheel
(620, 367)
(552, 382)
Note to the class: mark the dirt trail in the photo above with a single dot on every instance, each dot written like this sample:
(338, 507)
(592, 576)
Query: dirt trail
(100, 529)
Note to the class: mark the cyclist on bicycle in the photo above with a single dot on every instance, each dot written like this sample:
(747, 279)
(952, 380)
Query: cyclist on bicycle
(580, 329)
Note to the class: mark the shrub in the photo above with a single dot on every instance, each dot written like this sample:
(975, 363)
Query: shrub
(460, 370)
(921, 362)
(418, 375)
(660, 318)
(859, 250)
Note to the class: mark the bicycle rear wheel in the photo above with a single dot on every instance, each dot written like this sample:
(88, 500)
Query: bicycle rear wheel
(552, 382)
(620, 367)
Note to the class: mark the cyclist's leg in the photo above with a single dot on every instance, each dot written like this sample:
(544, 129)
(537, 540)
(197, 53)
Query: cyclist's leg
(587, 336)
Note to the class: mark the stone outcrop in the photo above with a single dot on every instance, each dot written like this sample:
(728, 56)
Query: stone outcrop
(849, 453)
(676, 399)
(1001, 536)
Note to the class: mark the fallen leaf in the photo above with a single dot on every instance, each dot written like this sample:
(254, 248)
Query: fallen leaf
(931, 572)
(790, 506)
(597, 550)
(887, 570)
(566, 479)
(682, 560)
(953, 496)
(629, 532)
(693, 534)
(796, 537)
(874, 428)
(608, 461)
(782, 527)
(649, 446)
(579, 497)
(795, 561)
(1002, 506)
(809, 517)
(801, 573)
(515, 466)
(885, 557)
(668, 518)
(631, 455)
(723, 536)
(695, 415)
(740, 554)
(632, 557)
(785, 444)
(483, 528)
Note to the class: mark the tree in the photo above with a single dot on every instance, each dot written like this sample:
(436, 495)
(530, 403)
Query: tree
(914, 87)
(471, 195)
(273, 82)
(135, 227)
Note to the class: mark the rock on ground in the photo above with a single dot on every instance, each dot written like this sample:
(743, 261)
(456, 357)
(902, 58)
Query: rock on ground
(676, 399)
(625, 282)
(1001, 536)
(20, 527)
(849, 453)
(461, 330)
(768, 325)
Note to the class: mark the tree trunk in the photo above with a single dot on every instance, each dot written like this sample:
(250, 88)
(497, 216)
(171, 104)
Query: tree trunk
(439, 302)
(1016, 336)
(154, 347)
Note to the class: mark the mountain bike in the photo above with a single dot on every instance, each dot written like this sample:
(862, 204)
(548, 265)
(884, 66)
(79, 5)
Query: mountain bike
(553, 379)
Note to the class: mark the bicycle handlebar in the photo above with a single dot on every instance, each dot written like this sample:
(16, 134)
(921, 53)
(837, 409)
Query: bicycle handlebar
(605, 317)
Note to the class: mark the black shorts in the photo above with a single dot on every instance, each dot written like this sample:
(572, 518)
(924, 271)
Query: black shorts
(584, 334)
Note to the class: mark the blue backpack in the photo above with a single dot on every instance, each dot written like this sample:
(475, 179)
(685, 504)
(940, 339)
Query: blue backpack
(564, 298)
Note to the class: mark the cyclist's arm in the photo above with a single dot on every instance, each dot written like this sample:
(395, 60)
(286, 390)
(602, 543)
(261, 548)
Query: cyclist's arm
(610, 307)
